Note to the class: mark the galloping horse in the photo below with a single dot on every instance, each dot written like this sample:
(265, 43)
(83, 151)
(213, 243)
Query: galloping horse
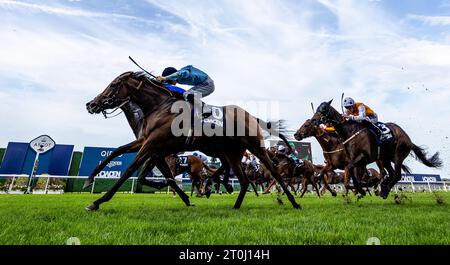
(305, 175)
(333, 152)
(158, 139)
(194, 166)
(257, 176)
(362, 148)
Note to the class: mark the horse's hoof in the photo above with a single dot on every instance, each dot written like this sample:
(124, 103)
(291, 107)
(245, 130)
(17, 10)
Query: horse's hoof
(87, 183)
(334, 194)
(208, 193)
(191, 204)
(297, 206)
(92, 208)
(229, 188)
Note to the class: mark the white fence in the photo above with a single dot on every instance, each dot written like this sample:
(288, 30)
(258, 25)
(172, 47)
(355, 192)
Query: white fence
(405, 186)
(10, 189)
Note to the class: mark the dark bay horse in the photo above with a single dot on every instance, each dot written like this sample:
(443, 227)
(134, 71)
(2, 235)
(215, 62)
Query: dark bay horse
(333, 152)
(158, 139)
(362, 148)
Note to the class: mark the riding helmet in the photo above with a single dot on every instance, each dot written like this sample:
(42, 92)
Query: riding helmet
(348, 102)
(168, 71)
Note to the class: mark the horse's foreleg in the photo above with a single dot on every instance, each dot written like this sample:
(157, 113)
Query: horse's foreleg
(140, 158)
(353, 171)
(254, 188)
(131, 147)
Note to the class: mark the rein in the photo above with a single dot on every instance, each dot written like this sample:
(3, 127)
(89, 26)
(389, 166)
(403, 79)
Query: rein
(105, 113)
(346, 141)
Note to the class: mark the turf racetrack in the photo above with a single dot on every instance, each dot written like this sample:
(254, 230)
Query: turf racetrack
(163, 219)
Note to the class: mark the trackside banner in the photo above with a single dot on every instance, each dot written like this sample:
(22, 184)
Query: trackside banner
(92, 156)
(420, 178)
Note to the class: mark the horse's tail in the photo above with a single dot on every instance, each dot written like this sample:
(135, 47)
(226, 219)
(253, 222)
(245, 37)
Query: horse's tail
(406, 169)
(275, 128)
(421, 155)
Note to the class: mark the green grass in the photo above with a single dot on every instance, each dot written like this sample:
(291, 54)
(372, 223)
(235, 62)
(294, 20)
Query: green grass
(163, 219)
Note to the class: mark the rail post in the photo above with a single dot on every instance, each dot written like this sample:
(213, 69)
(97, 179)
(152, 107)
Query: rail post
(93, 185)
(12, 184)
(132, 186)
(46, 185)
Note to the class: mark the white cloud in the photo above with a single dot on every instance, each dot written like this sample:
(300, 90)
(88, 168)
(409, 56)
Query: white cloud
(431, 20)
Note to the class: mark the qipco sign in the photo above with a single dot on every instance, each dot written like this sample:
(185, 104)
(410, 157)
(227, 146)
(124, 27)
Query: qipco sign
(42, 144)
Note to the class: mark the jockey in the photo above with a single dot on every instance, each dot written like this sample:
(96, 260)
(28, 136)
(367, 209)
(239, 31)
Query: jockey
(360, 112)
(291, 153)
(202, 84)
(287, 151)
(201, 155)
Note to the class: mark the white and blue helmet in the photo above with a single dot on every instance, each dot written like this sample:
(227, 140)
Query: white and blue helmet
(348, 102)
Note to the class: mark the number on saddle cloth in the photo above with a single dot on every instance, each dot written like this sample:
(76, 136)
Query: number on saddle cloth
(183, 161)
(384, 130)
(216, 117)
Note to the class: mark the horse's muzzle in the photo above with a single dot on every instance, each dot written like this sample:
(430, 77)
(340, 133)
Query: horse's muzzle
(298, 136)
(93, 107)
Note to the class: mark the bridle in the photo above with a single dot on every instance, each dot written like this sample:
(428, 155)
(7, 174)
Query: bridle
(111, 98)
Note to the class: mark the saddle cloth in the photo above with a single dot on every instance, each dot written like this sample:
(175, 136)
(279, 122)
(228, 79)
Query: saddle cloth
(182, 161)
(213, 115)
(386, 132)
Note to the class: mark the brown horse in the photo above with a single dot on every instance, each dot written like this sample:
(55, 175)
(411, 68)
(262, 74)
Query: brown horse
(258, 176)
(305, 174)
(256, 172)
(371, 179)
(194, 166)
(159, 139)
(333, 152)
(333, 177)
(362, 148)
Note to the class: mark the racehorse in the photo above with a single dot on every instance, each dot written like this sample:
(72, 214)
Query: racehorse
(158, 140)
(305, 174)
(371, 179)
(333, 152)
(362, 148)
(257, 176)
(194, 166)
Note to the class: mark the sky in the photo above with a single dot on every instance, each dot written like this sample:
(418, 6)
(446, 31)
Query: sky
(392, 55)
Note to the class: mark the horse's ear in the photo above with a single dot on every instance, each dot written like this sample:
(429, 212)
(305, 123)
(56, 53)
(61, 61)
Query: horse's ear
(329, 102)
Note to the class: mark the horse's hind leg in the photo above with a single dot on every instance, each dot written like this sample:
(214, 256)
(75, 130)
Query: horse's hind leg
(235, 164)
(304, 187)
(254, 188)
(165, 170)
(263, 157)
(384, 192)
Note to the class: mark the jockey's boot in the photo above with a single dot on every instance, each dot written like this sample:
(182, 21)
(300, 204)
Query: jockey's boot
(376, 130)
(200, 109)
